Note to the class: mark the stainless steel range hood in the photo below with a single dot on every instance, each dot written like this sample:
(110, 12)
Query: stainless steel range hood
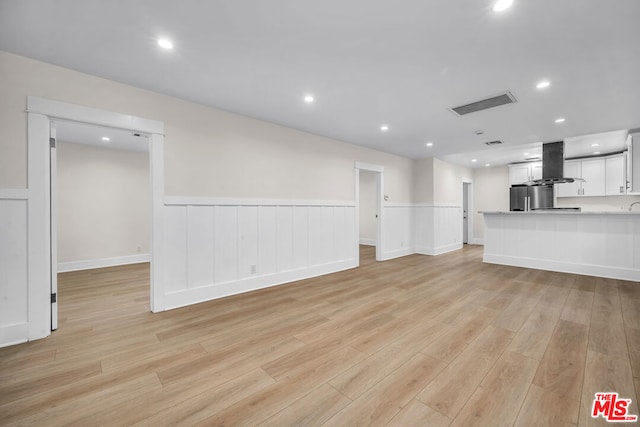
(553, 164)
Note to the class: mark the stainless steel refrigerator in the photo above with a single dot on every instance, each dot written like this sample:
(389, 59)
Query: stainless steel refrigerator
(530, 197)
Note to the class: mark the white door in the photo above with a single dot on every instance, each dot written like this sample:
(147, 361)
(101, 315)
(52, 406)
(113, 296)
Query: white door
(465, 213)
(54, 227)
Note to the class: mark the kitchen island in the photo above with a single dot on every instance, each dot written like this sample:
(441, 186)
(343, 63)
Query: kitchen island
(603, 244)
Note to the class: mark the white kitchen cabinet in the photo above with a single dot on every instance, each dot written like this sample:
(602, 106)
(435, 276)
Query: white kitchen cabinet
(572, 169)
(603, 176)
(523, 172)
(633, 163)
(593, 173)
(616, 175)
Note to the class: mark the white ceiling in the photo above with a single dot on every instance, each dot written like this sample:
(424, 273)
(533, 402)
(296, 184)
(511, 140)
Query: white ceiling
(80, 133)
(367, 62)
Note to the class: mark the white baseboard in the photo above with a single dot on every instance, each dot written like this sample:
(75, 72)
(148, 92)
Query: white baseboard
(565, 267)
(368, 242)
(103, 262)
(476, 241)
(13, 334)
(397, 253)
(425, 250)
(220, 290)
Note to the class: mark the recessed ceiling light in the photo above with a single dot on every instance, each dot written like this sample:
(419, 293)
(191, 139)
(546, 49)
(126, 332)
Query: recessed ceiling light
(309, 99)
(595, 144)
(596, 152)
(384, 128)
(487, 164)
(543, 84)
(501, 5)
(429, 144)
(560, 120)
(106, 138)
(526, 154)
(165, 44)
(474, 160)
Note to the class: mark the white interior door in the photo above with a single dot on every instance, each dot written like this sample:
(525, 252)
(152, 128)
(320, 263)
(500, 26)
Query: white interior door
(465, 213)
(54, 226)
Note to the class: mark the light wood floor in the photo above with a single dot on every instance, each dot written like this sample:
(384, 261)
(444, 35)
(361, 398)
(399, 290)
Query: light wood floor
(418, 340)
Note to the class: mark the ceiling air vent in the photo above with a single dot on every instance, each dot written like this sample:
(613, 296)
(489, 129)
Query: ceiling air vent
(493, 142)
(484, 104)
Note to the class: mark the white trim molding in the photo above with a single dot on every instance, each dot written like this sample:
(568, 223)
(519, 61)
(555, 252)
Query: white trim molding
(14, 194)
(369, 167)
(367, 242)
(36, 308)
(88, 264)
(218, 201)
(80, 113)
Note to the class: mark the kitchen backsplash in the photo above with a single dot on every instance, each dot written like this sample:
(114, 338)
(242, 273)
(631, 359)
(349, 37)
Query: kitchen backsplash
(608, 203)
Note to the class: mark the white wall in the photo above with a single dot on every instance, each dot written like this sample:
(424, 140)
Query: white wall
(208, 152)
(491, 193)
(423, 180)
(447, 182)
(103, 204)
(368, 223)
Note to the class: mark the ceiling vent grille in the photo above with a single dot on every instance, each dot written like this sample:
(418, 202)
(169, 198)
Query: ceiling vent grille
(493, 142)
(484, 104)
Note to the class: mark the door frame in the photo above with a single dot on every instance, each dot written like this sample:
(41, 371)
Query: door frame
(467, 189)
(379, 208)
(42, 261)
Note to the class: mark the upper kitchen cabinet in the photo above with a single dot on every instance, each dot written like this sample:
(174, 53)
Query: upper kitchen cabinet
(523, 172)
(593, 173)
(616, 175)
(633, 163)
(603, 176)
(572, 169)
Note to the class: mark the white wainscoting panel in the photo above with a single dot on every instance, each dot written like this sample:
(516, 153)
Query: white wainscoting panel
(447, 222)
(437, 229)
(13, 267)
(215, 249)
(597, 244)
(398, 226)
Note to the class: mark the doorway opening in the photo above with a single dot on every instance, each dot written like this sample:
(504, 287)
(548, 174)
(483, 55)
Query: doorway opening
(368, 216)
(42, 256)
(369, 212)
(467, 209)
(100, 218)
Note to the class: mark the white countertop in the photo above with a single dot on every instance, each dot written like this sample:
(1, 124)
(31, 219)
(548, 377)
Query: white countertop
(561, 212)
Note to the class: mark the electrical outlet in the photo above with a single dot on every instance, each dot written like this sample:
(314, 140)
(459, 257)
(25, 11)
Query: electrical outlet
(254, 269)
(139, 249)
